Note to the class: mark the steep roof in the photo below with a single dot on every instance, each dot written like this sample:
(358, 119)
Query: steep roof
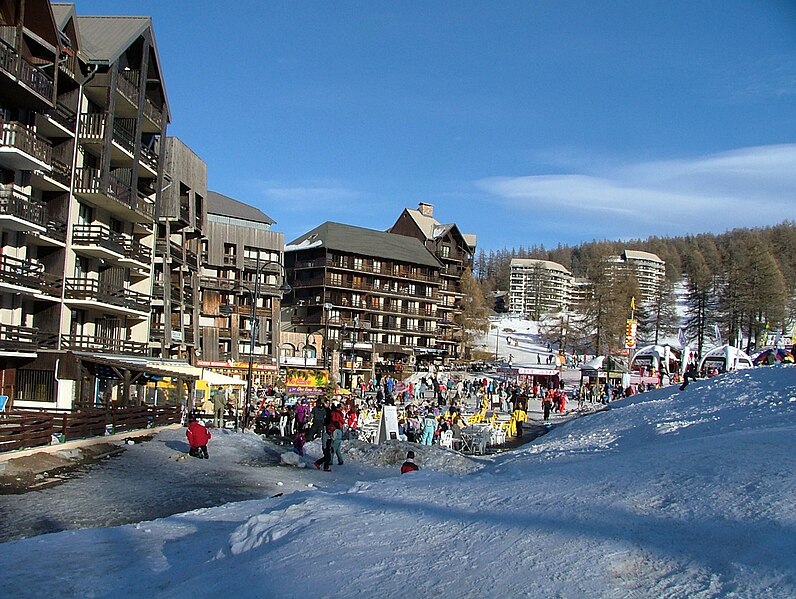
(433, 229)
(226, 206)
(62, 14)
(366, 242)
(106, 38)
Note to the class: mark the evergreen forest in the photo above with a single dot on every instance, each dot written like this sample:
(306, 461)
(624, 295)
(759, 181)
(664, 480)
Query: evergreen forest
(738, 287)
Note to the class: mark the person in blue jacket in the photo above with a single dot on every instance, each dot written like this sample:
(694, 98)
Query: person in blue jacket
(429, 427)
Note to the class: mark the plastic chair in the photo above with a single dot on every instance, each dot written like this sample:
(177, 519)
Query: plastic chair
(446, 439)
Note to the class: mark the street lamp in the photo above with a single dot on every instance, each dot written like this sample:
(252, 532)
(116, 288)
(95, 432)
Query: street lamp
(254, 326)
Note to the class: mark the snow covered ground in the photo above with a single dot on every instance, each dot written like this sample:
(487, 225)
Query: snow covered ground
(667, 494)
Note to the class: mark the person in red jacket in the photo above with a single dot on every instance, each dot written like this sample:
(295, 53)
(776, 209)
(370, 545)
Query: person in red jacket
(198, 436)
(409, 465)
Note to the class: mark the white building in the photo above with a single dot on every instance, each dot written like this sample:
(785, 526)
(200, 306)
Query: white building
(538, 286)
(648, 268)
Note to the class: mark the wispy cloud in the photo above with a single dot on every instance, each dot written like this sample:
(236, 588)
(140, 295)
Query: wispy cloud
(307, 197)
(747, 187)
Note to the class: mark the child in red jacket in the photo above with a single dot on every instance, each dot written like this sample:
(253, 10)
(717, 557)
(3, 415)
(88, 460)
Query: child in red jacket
(198, 436)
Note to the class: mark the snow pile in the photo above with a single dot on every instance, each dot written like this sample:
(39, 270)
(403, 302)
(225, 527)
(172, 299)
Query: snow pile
(675, 494)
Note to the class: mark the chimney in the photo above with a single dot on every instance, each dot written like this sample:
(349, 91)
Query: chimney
(426, 209)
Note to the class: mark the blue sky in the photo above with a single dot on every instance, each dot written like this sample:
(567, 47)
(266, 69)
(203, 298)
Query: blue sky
(528, 122)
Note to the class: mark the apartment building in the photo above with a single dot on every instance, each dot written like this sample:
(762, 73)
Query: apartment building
(241, 287)
(456, 251)
(537, 287)
(648, 269)
(84, 114)
(371, 296)
(174, 318)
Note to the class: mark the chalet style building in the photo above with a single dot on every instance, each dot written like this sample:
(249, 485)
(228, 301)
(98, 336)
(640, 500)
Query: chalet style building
(456, 251)
(372, 297)
(242, 276)
(83, 114)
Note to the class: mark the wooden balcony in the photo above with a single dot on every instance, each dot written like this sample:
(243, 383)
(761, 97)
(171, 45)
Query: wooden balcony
(17, 274)
(18, 212)
(14, 338)
(32, 78)
(21, 149)
(111, 345)
(94, 292)
(98, 241)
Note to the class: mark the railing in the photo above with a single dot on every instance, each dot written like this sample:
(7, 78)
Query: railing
(55, 230)
(19, 430)
(14, 64)
(18, 338)
(91, 289)
(61, 172)
(92, 126)
(119, 188)
(145, 206)
(13, 202)
(150, 158)
(122, 135)
(27, 428)
(127, 84)
(133, 250)
(77, 342)
(68, 64)
(384, 270)
(23, 273)
(153, 113)
(99, 236)
(217, 283)
(18, 136)
(64, 116)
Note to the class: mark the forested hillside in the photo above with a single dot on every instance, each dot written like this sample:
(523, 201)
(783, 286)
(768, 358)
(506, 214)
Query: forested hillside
(744, 281)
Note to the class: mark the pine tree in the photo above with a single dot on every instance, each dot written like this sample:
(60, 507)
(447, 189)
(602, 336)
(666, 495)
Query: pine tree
(474, 316)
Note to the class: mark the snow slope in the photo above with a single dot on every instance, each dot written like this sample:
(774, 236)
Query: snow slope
(675, 494)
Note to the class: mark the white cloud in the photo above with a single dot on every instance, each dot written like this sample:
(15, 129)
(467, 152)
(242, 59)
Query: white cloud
(308, 197)
(748, 187)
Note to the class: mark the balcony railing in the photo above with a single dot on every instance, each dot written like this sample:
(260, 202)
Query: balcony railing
(64, 116)
(16, 66)
(384, 270)
(217, 283)
(93, 343)
(150, 158)
(90, 181)
(13, 202)
(92, 126)
(17, 338)
(91, 289)
(19, 272)
(122, 135)
(127, 84)
(99, 236)
(18, 136)
(134, 250)
(145, 207)
(153, 113)
(55, 230)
